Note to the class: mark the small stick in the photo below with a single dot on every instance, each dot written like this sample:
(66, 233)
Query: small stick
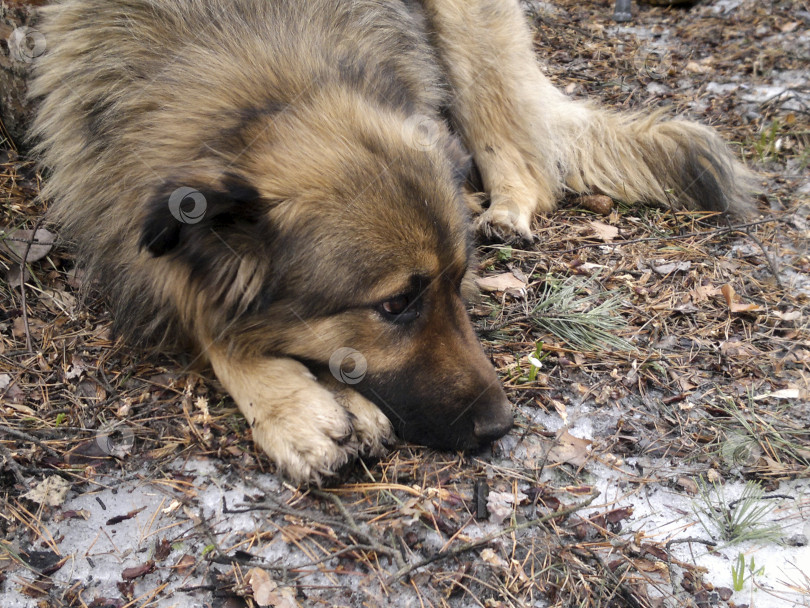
(403, 572)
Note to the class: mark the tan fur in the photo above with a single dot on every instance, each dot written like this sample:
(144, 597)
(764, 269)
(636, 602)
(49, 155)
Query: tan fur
(332, 191)
(531, 142)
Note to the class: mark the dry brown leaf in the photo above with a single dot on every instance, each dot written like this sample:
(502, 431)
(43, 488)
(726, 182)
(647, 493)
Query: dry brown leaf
(688, 485)
(16, 243)
(505, 282)
(606, 232)
(58, 301)
(493, 559)
(701, 293)
(185, 564)
(51, 491)
(570, 449)
(734, 302)
(598, 203)
(266, 591)
(138, 571)
(738, 348)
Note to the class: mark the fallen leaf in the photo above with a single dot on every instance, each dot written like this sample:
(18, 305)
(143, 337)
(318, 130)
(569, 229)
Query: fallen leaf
(266, 591)
(137, 571)
(606, 232)
(51, 491)
(793, 315)
(119, 518)
(734, 302)
(701, 293)
(493, 559)
(16, 243)
(185, 564)
(501, 505)
(570, 449)
(16, 275)
(738, 348)
(663, 267)
(598, 203)
(58, 301)
(688, 485)
(77, 368)
(505, 282)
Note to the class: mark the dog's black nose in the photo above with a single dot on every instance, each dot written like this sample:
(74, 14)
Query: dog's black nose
(493, 423)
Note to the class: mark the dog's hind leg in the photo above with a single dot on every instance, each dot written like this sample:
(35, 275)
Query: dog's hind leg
(300, 424)
(531, 142)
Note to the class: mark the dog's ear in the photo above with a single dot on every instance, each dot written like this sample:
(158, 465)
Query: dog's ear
(179, 212)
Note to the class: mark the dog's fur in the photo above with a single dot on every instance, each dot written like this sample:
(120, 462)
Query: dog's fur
(335, 213)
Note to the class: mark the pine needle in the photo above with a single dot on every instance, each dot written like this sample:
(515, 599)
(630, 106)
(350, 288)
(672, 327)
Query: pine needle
(571, 310)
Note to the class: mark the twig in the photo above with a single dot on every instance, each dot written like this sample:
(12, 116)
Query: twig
(372, 544)
(12, 465)
(23, 264)
(31, 438)
(261, 563)
(403, 572)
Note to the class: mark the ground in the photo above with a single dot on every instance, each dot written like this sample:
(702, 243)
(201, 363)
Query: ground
(661, 455)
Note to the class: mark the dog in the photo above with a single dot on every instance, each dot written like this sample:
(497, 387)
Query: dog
(280, 190)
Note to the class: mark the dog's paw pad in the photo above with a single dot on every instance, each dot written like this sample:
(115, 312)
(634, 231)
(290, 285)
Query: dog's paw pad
(502, 224)
(309, 448)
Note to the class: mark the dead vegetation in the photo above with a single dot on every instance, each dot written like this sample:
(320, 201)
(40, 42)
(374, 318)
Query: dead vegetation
(707, 381)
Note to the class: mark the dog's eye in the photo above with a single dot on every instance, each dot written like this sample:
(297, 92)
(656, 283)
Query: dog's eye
(401, 309)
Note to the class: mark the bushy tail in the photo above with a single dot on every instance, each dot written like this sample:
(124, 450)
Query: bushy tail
(643, 158)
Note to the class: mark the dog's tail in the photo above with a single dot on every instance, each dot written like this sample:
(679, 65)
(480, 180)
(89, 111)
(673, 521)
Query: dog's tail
(644, 158)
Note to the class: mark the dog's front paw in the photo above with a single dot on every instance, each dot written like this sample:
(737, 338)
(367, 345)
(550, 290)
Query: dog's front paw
(298, 423)
(310, 438)
(373, 432)
(504, 224)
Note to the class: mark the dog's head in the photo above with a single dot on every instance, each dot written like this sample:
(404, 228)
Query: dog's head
(345, 247)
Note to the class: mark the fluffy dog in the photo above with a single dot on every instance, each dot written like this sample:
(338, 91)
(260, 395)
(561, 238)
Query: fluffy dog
(273, 188)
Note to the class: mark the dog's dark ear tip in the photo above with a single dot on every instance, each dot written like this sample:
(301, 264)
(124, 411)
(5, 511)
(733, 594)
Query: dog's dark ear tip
(158, 240)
